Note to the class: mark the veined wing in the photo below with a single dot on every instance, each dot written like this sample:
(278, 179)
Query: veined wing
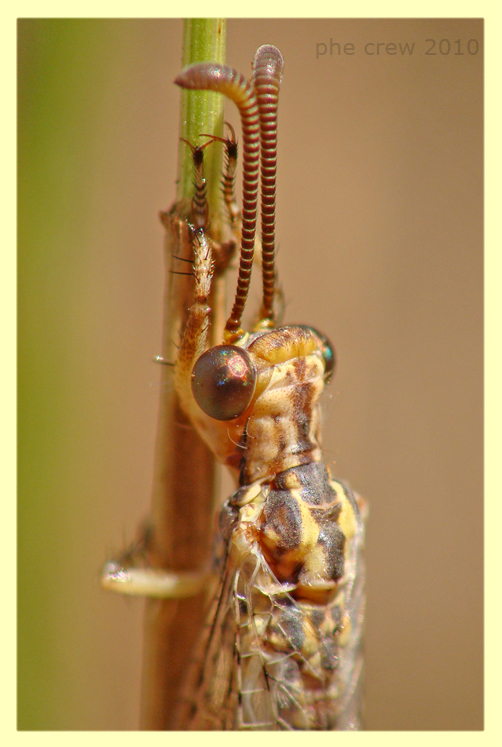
(210, 693)
(268, 661)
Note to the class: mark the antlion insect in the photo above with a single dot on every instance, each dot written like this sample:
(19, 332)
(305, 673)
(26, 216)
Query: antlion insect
(281, 645)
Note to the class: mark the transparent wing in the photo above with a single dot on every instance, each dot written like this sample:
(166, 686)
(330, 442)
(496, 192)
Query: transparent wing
(210, 694)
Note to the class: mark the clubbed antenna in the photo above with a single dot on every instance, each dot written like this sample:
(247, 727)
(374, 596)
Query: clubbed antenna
(268, 65)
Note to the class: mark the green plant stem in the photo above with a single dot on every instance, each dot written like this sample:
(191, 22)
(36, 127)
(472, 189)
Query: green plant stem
(204, 39)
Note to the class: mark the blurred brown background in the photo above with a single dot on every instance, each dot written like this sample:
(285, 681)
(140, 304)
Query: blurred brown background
(380, 247)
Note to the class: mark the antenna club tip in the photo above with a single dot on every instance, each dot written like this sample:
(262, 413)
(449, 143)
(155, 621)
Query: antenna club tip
(270, 61)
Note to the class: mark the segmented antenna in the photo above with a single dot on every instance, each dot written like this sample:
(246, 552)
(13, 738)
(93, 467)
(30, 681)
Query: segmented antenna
(268, 65)
(211, 76)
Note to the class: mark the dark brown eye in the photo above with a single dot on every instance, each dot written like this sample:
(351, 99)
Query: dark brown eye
(223, 382)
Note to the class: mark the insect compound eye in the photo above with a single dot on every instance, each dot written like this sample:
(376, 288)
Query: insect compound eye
(327, 352)
(223, 382)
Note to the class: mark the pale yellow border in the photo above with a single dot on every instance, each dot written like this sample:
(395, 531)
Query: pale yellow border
(490, 10)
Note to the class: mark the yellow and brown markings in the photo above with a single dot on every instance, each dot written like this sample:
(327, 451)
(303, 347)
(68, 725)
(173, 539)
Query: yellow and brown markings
(300, 533)
(283, 421)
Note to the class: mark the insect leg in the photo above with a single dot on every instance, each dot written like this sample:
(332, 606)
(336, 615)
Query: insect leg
(224, 252)
(130, 574)
(209, 76)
